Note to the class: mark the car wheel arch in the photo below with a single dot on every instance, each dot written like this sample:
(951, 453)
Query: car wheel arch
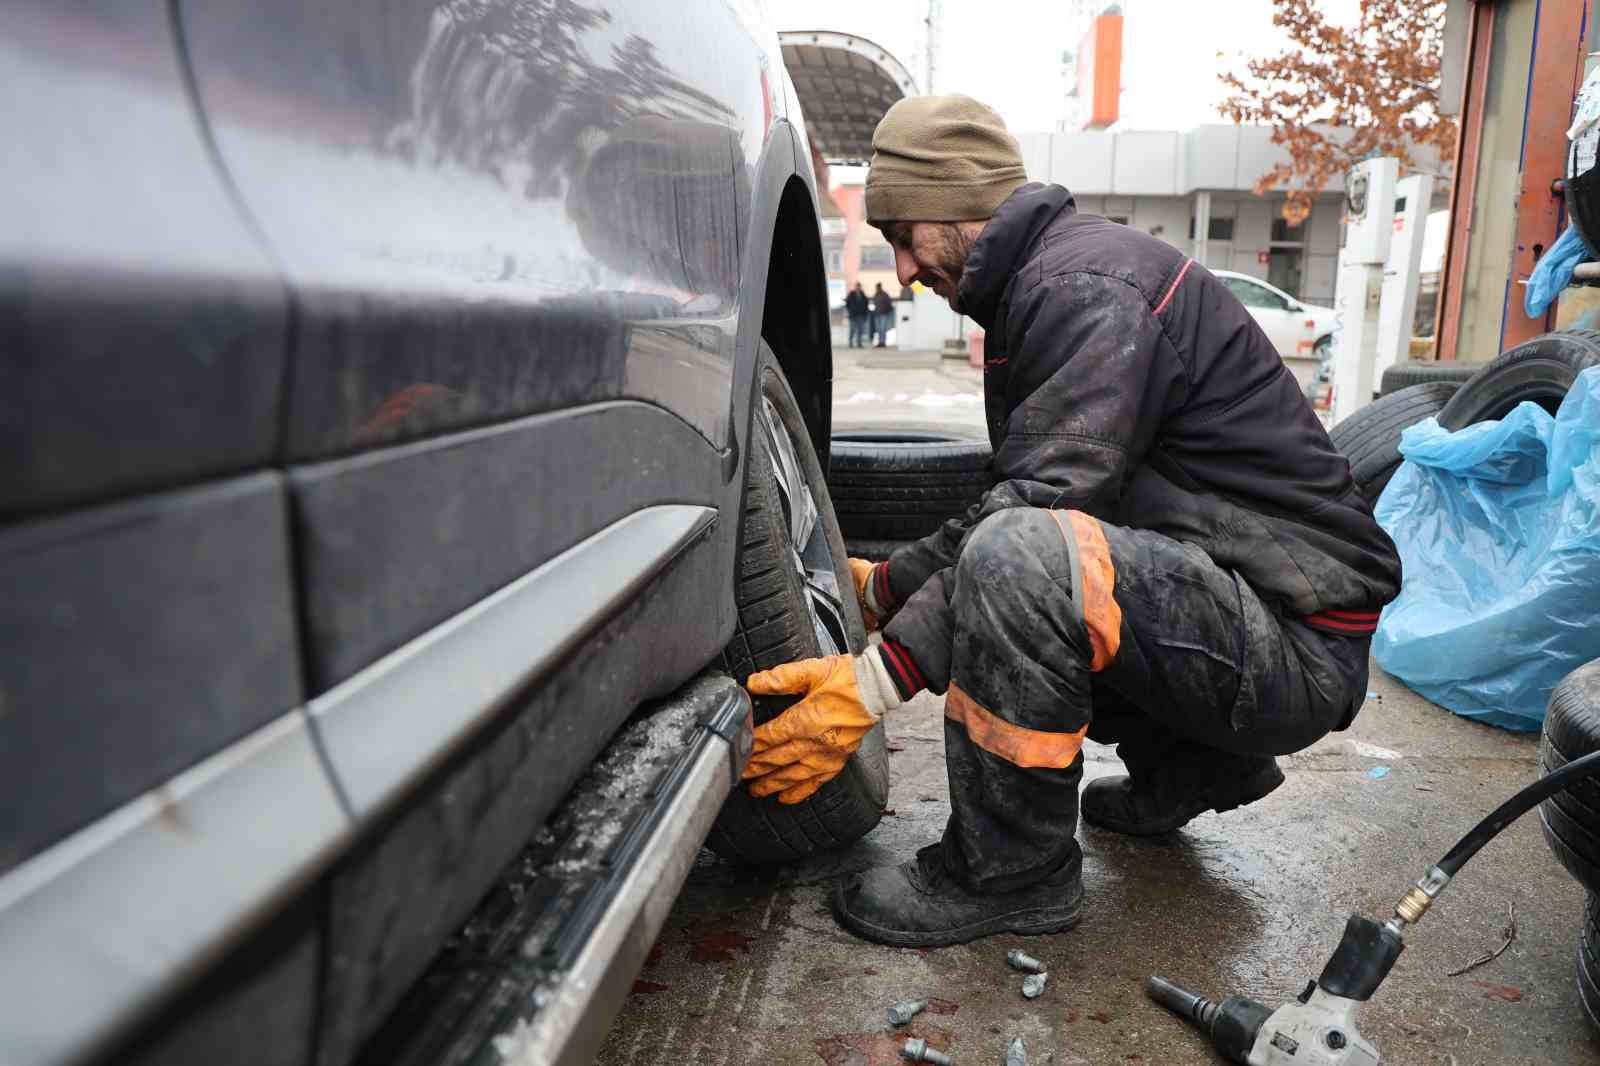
(794, 314)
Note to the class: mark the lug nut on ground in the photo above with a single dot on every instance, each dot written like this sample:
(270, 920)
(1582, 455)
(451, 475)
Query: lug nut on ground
(1033, 985)
(917, 1050)
(1016, 1054)
(1021, 960)
(903, 1012)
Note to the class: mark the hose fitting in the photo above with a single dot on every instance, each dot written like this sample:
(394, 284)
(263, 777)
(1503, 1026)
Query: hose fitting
(1415, 903)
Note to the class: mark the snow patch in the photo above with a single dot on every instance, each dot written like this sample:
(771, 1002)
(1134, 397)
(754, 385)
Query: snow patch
(948, 399)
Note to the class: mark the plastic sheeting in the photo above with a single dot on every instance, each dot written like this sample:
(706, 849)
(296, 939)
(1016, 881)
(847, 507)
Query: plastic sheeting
(1554, 271)
(1498, 527)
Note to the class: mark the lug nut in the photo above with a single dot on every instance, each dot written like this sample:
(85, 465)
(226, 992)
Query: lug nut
(1021, 960)
(1033, 985)
(901, 1013)
(1016, 1054)
(917, 1050)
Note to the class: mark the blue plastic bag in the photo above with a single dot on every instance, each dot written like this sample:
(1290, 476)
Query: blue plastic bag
(1498, 527)
(1553, 272)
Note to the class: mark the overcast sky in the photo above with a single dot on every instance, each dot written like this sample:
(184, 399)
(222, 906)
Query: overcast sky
(1007, 53)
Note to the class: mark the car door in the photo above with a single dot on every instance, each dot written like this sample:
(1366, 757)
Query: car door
(150, 684)
(1271, 311)
(510, 228)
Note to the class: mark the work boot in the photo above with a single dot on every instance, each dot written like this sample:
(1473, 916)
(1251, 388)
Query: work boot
(1163, 798)
(919, 904)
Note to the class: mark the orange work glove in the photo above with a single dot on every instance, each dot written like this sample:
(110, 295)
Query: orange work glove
(807, 745)
(861, 574)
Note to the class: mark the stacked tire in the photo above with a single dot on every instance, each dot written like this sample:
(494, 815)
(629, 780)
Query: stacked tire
(1571, 818)
(1370, 438)
(1542, 370)
(898, 485)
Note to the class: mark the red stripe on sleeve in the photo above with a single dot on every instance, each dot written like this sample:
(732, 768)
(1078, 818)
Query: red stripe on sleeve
(1162, 306)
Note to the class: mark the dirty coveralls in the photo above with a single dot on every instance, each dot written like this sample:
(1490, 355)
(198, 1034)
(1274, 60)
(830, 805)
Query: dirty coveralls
(1173, 556)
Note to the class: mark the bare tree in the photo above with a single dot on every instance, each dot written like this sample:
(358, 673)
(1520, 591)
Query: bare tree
(1340, 94)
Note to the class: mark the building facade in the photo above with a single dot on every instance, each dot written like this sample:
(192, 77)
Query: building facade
(1194, 190)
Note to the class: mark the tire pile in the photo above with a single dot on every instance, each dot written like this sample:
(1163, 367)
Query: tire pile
(1571, 818)
(1459, 395)
(897, 485)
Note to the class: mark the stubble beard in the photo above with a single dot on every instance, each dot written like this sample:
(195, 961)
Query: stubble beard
(956, 245)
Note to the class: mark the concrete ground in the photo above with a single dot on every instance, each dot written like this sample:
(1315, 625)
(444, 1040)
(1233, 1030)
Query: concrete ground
(751, 967)
(885, 386)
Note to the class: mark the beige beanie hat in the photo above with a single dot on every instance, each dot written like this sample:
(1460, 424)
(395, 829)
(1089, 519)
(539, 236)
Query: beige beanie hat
(941, 159)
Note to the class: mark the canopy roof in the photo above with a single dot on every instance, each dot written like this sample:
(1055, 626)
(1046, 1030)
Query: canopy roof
(845, 83)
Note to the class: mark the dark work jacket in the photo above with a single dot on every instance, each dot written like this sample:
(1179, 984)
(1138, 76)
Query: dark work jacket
(882, 303)
(1123, 380)
(855, 303)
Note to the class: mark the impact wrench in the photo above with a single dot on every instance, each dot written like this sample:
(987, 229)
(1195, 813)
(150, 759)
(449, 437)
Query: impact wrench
(1319, 1028)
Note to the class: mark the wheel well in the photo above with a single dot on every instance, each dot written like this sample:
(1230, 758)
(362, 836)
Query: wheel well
(794, 319)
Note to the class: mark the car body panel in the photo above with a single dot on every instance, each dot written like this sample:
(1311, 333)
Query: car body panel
(394, 542)
(387, 726)
(168, 880)
(451, 287)
(140, 637)
(481, 199)
(416, 875)
(143, 326)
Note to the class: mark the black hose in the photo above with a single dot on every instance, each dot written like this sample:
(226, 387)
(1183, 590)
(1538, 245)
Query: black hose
(1516, 807)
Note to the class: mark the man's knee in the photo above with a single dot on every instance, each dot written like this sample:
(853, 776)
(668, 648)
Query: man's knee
(999, 541)
(1014, 554)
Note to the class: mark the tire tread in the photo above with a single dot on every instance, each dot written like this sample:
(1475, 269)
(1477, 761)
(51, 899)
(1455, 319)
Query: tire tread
(772, 627)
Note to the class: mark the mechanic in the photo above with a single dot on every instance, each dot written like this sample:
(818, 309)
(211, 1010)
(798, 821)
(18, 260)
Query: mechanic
(1172, 558)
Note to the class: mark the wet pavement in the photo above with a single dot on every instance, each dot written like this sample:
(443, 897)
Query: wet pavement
(886, 386)
(751, 967)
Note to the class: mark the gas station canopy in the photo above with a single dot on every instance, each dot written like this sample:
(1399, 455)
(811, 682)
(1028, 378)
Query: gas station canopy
(845, 83)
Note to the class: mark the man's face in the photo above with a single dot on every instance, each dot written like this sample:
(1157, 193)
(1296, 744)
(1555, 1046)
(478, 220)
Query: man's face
(934, 253)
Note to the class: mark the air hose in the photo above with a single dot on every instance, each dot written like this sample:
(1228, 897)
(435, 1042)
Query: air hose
(1415, 903)
(1320, 1023)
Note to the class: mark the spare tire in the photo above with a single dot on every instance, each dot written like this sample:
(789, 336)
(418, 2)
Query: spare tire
(1571, 818)
(1370, 438)
(795, 600)
(902, 485)
(1409, 372)
(1541, 370)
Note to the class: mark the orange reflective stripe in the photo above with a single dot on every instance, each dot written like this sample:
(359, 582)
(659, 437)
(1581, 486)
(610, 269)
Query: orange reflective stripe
(1013, 743)
(1100, 611)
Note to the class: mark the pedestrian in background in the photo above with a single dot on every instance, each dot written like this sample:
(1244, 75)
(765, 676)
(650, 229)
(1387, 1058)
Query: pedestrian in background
(882, 315)
(858, 311)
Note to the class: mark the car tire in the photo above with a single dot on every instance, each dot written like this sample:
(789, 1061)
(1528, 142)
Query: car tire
(1589, 961)
(1409, 372)
(1542, 370)
(794, 602)
(890, 486)
(1370, 438)
(1571, 818)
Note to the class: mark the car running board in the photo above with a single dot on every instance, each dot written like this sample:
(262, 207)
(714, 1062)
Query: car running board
(540, 969)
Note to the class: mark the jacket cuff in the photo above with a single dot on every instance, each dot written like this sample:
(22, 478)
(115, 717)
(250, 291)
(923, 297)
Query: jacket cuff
(879, 596)
(902, 669)
(875, 683)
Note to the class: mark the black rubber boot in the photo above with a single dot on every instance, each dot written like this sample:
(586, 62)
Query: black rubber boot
(1161, 799)
(918, 904)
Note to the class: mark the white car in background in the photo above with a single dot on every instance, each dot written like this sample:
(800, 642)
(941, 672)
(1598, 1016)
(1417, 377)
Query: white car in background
(1298, 330)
